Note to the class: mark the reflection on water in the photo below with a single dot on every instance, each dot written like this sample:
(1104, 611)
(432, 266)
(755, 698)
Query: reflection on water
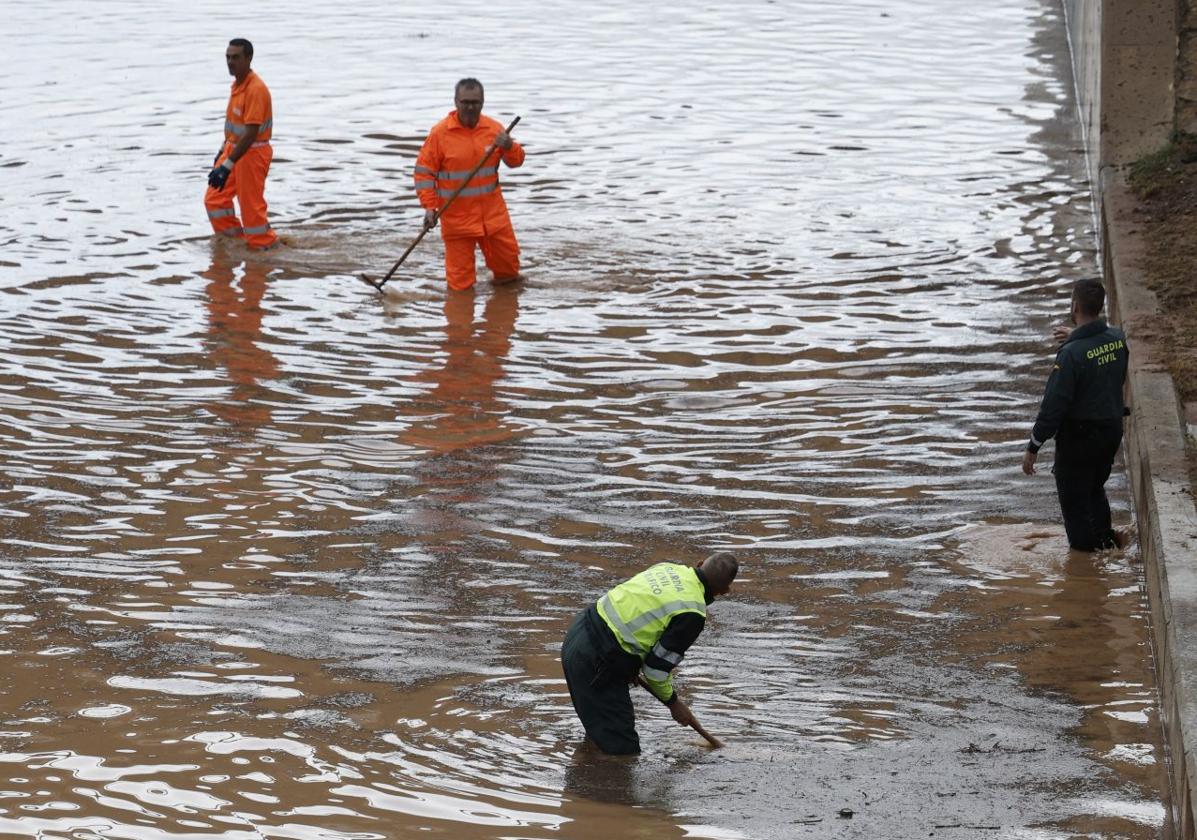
(283, 559)
(461, 407)
(235, 336)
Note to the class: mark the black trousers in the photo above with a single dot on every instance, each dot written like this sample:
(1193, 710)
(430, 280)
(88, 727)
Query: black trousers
(597, 673)
(1084, 457)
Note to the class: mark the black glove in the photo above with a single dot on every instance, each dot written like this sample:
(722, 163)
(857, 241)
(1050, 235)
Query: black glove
(218, 176)
(216, 159)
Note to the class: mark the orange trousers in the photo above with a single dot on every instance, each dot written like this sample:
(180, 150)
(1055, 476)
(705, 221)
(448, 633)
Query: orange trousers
(499, 248)
(246, 183)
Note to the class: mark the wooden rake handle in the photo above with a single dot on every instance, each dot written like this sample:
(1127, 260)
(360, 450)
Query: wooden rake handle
(710, 739)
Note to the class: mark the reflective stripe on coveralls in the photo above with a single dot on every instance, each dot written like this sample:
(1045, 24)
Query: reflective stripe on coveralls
(427, 182)
(237, 129)
(450, 181)
(639, 610)
(468, 191)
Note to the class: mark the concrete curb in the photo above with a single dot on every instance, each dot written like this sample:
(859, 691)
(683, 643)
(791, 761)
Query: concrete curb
(1163, 499)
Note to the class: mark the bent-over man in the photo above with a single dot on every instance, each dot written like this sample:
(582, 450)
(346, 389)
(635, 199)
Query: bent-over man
(641, 628)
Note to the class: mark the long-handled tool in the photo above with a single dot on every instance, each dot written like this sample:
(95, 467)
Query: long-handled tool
(694, 724)
(490, 150)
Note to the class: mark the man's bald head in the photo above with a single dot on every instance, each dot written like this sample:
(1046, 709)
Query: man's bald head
(720, 570)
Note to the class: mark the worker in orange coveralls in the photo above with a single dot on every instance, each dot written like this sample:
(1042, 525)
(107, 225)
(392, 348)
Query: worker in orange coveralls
(478, 216)
(244, 158)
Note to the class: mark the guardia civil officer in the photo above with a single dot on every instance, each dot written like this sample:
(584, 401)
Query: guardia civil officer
(642, 627)
(1082, 409)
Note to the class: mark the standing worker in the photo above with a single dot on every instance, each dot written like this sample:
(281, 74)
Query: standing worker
(1082, 408)
(244, 158)
(642, 627)
(478, 216)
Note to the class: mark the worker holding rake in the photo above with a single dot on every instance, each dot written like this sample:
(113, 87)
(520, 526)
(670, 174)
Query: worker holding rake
(638, 632)
(449, 167)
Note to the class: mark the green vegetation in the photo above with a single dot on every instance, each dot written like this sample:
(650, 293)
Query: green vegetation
(1160, 169)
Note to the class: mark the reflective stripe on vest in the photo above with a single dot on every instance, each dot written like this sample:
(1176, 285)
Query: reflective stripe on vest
(654, 673)
(668, 655)
(639, 609)
(622, 632)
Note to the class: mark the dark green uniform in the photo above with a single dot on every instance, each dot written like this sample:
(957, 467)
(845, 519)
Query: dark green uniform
(1082, 409)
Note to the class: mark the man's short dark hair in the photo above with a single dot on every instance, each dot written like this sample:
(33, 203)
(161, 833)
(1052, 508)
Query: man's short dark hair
(1090, 297)
(468, 82)
(244, 45)
(721, 568)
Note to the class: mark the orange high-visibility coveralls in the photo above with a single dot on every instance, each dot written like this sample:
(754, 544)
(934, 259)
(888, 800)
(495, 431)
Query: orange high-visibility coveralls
(479, 214)
(249, 104)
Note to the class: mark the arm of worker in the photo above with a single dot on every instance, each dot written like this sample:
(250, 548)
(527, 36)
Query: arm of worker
(513, 152)
(424, 180)
(667, 654)
(220, 174)
(681, 712)
(1057, 397)
(244, 142)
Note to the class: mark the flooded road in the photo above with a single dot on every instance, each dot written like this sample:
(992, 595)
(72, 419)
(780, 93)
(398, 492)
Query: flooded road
(282, 559)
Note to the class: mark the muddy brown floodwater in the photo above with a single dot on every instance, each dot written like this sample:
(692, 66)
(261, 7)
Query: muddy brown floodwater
(281, 559)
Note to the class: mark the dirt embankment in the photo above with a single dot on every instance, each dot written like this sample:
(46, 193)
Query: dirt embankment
(1166, 184)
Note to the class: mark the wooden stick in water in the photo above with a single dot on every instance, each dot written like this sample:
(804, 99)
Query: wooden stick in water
(694, 724)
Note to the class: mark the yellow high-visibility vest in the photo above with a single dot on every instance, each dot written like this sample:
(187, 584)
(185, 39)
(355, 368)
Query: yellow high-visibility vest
(640, 608)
